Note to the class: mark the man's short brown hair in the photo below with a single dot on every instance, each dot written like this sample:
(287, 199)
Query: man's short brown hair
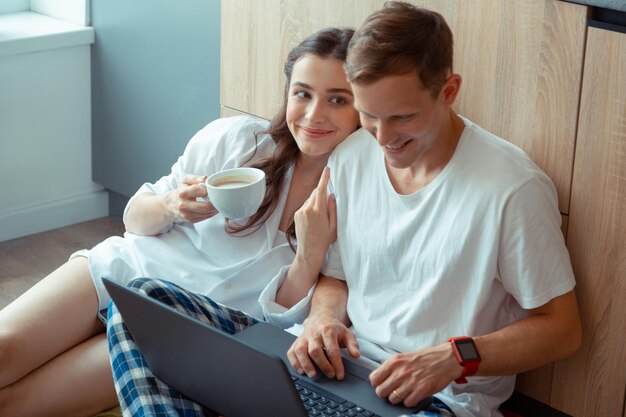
(398, 39)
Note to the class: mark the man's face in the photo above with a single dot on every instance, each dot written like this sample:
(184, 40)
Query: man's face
(403, 117)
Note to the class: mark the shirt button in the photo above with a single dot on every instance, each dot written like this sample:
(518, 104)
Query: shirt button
(227, 286)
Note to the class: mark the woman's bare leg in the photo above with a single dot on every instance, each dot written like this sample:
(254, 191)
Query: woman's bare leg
(76, 383)
(53, 316)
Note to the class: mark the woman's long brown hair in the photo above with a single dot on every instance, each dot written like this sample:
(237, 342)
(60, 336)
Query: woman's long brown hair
(327, 43)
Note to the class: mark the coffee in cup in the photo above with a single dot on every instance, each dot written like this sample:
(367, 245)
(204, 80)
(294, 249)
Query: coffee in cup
(237, 193)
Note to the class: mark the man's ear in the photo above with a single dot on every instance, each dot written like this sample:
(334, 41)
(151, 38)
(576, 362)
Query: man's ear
(451, 89)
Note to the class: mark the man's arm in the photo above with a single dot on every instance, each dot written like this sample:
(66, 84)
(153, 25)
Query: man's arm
(550, 333)
(325, 332)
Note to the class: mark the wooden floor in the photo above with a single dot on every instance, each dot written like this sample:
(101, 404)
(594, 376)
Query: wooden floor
(26, 260)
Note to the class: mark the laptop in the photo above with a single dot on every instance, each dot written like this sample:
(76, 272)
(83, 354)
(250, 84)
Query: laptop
(242, 375)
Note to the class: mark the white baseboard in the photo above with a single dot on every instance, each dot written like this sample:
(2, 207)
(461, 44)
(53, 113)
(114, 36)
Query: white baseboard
(42, 217)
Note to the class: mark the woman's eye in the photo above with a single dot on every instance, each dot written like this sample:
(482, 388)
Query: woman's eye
(301, 94)
(338, 100)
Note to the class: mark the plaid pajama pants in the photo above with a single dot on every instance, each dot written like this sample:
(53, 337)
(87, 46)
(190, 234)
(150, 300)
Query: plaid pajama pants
(436, 409)
(141, 393)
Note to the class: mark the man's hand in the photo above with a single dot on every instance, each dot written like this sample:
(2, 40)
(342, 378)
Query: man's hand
(409, 377)
(321, 344)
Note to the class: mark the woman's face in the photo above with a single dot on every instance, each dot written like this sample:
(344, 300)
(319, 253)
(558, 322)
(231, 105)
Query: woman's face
(320, 111)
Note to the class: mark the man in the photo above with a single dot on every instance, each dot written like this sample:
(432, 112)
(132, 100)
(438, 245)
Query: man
(445, 232)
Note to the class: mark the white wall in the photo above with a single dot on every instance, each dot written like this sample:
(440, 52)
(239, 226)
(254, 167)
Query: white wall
(45, 131)
(73, 11)
(13, 6)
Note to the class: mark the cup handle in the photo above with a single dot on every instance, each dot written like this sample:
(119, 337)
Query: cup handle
(204, 199)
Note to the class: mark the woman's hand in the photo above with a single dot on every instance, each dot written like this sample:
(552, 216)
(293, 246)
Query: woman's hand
(316, 229)
(181, 204)
(150, 214)
(316, 223)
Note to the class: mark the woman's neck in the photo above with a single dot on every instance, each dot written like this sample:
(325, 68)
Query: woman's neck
(305, 177)
(309, 169)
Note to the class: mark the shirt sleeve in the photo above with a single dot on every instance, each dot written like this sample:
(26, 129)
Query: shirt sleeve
(332, 266)
(222, 144)
(277, 314)
(534, 264)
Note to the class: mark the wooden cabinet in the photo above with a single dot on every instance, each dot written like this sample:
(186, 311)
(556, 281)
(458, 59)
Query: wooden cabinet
(522, 68)
(521, 62)
(593, 382)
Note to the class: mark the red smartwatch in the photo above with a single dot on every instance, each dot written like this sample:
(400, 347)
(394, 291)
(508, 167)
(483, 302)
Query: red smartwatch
(467, 355)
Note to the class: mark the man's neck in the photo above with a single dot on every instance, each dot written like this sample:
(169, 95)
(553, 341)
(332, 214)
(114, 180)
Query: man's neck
(412, 179)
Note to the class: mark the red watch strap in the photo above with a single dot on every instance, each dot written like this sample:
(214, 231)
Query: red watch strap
(469, 369)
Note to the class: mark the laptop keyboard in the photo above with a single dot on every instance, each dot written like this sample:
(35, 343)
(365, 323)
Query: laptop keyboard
(320, 403)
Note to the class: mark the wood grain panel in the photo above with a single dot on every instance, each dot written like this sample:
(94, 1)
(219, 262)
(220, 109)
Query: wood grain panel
(251, 62)
(537, 383)
(228, 112)
(521, 60)
(258, 35)
(592, 383)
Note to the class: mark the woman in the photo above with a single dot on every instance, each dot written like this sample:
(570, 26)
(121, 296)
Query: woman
(53, 354)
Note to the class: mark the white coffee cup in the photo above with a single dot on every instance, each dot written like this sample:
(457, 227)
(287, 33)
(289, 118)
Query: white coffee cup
(237, 193)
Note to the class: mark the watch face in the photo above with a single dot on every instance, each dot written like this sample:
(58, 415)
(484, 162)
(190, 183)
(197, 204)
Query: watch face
(467, 350)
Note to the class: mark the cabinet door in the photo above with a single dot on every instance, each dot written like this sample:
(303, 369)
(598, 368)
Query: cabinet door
(520, 60)
(521, 63)
(258, 35)
(592, 383)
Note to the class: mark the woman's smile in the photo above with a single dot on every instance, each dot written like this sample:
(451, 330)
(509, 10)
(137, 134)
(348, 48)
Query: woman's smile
(314, 133)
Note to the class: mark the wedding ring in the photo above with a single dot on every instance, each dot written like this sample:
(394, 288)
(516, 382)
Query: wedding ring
(398, 395)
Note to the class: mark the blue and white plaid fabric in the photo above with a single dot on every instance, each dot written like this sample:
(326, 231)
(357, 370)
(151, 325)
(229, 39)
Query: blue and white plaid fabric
(141, 393)
(436, 409)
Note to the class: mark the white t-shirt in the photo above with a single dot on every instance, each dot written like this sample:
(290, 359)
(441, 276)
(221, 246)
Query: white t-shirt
(464, 256)
(202, 257)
